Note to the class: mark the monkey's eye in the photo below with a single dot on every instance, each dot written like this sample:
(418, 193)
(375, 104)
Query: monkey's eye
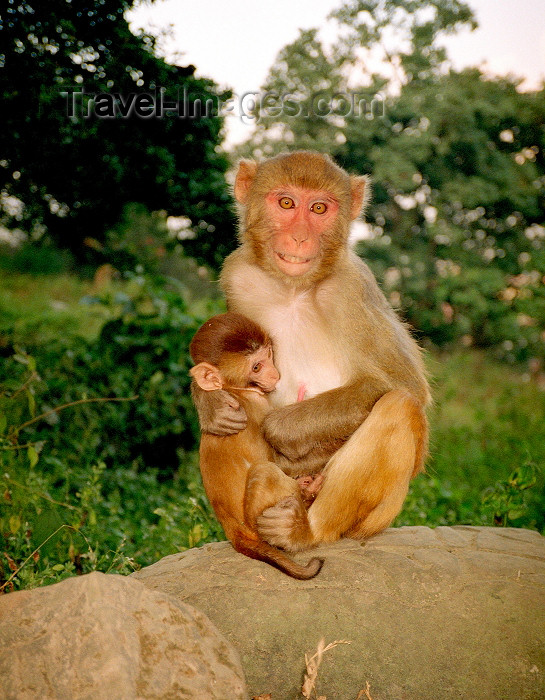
(257, 368)
(286, 203)
(318, 208)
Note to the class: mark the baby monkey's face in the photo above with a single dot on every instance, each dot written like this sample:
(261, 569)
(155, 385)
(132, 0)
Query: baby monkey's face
(261, 370)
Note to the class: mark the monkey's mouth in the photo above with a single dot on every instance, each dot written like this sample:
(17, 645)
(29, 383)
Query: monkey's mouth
(262, 389)
(293, 263)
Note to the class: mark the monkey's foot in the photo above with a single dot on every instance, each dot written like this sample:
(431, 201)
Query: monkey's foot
(285, 525)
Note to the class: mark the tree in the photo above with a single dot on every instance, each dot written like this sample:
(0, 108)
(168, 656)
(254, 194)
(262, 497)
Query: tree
(458, 213)
(402, 33)
(66, 68)
(290, 110)
(312, 93)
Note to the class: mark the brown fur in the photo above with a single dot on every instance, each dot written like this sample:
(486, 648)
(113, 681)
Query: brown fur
(334, 332)
(239, 477)
(229, 333)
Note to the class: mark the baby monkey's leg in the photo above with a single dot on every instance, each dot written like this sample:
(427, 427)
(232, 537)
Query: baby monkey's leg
(266, 485)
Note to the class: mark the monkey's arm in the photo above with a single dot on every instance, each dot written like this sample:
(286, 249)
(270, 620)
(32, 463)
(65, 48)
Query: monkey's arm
(330, 417)
(219, 412)
(312, 462)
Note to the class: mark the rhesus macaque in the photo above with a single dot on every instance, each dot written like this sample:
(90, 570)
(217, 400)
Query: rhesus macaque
(334, 334)
(233, 353)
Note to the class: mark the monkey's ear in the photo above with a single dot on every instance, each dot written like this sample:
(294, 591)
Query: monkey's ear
(245, 176)
(207, 376)
(360, 191)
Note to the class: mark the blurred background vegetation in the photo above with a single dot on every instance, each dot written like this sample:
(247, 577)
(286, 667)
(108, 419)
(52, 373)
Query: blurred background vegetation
(113, 231)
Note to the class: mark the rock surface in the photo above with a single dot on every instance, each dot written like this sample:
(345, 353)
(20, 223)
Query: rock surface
(431, 614)
(106, 637)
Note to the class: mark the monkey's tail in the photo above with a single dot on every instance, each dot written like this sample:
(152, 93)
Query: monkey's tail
(246, 542)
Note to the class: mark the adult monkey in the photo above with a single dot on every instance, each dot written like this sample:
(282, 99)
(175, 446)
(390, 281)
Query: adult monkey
(337, 339)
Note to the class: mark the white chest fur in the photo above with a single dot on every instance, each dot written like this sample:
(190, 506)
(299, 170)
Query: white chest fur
(304, 351)
(302, 329)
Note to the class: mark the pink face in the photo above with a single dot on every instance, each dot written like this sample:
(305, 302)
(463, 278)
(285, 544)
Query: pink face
(299, 217)
(263, 373)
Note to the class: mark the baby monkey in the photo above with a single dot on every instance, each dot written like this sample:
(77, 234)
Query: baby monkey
(241, 480)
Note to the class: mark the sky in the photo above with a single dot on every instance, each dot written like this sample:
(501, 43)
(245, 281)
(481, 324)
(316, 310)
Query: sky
(235, 42)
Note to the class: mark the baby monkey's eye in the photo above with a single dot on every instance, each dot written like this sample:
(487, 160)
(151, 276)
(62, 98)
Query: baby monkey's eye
(319, 208)
(257, 368)
(286, 203)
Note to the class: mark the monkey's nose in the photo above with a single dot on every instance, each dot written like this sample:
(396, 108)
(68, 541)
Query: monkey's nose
(300, 234)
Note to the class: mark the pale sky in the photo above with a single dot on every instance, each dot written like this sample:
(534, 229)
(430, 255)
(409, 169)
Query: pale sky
(236, 42)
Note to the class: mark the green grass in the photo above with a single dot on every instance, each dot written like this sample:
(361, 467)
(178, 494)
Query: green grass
(36, 309)
(486, 422)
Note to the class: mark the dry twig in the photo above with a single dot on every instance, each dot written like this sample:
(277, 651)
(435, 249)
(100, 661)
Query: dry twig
(365, 693)
(313, 664)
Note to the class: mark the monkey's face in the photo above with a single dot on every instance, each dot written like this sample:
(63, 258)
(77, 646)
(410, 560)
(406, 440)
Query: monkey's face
(296, 210)
(298, 219)
(261, 370)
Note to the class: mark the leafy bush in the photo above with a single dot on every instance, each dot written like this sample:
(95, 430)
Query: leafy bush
(96, 441)
(63, 516)
(451, 299)
(35, 259)
(511, 502)
(141, 352)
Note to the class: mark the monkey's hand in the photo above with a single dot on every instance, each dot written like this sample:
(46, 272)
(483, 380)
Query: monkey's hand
(219, 412)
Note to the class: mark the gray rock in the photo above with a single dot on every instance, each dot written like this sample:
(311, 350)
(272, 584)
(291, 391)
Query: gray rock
(431, 614)
(110, 638)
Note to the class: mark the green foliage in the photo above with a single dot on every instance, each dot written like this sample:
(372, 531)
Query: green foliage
(43, 260)
(141, 352)
(65, 175)
(436, 501)
(139, 235)
(508, 499)
(398, 36)
(405, 32)
(35, 310)
(512, 502)
(303, 72)
(62, 510)
(459, 239)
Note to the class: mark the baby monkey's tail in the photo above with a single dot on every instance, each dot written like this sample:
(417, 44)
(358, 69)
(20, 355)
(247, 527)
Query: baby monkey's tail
(247, 542)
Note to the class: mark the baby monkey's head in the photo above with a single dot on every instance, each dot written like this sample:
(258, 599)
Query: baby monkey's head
(230, 350)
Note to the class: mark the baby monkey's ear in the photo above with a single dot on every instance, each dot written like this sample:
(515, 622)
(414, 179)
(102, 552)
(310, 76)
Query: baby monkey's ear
(207, 376)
